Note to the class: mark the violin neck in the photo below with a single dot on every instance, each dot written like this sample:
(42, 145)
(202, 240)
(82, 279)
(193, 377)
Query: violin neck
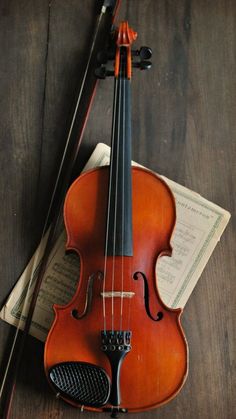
(119, 233)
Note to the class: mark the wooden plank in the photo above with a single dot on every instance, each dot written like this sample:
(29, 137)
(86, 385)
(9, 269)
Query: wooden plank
(23, 32)
(183, 127)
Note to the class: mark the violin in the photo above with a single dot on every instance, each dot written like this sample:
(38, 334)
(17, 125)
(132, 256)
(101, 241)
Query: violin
(116, 346)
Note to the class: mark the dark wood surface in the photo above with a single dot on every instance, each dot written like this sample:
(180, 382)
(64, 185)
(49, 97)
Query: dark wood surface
(184, 127)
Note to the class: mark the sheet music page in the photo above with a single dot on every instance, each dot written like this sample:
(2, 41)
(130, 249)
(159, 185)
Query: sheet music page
(199, 226)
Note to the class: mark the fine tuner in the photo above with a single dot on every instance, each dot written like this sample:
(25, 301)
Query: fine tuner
(144, 53)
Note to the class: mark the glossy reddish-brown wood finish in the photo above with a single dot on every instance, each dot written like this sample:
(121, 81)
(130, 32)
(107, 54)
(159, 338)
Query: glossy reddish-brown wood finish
(125, 37)
(156, 367)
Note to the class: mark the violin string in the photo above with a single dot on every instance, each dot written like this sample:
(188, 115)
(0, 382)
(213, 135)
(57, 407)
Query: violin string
(123, 203)
(130, 262)
(116, 202)
(109, 200)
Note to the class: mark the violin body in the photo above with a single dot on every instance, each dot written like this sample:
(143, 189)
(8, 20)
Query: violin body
(116, 346)
(155, 368)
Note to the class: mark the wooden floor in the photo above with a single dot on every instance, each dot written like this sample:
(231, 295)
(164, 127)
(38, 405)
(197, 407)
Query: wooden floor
(184, 125)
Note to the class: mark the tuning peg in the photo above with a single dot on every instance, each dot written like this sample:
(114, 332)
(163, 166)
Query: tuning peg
(102, 57)
(102, 72)
(143, 65)
(145, 53)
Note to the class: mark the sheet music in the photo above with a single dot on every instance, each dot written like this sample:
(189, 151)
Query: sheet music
(199, 226)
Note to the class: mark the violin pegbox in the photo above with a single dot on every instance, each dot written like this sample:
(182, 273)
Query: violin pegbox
(125, 37)
(122, 39)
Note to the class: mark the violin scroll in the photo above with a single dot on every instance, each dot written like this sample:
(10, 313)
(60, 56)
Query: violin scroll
(125, 36)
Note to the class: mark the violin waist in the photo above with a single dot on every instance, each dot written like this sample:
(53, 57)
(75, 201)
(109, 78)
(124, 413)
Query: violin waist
(119, 293)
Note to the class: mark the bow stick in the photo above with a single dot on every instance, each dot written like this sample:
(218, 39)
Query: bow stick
(84, 101)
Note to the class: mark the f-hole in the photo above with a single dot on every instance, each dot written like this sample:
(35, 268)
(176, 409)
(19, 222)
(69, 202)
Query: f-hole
(89, 294)
(146, 297)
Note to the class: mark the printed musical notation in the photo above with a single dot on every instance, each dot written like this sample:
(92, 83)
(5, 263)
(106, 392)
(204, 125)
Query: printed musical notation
(199, 226)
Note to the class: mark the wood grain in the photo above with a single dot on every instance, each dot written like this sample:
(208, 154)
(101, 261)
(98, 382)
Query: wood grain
(183, 127)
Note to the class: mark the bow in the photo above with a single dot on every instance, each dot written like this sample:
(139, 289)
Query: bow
(79, 119)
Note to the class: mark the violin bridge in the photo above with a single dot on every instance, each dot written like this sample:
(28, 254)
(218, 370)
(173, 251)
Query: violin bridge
(117, 294)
